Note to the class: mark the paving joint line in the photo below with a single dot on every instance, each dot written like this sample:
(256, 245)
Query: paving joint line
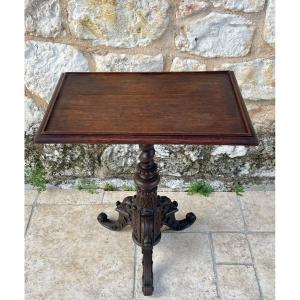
(250, 249)
(262, 232)
(69, 204)
(34, 203)
(214, 265)
(102, 199)
(220, 232)
(233, 264)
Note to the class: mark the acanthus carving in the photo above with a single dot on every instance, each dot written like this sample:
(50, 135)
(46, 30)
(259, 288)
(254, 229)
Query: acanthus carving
(146, 199)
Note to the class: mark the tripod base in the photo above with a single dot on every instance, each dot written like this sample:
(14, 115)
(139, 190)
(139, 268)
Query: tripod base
(146, 212)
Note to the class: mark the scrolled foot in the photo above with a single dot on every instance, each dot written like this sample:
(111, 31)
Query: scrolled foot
(114, 225)
(102, 217)
(178, 225)
(190, 217)
(124, 209)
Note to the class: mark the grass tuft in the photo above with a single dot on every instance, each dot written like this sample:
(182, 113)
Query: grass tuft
(88, 186)
(200, 187)
(110, 187)
(37, 177)
(127, 187)
(238, 189)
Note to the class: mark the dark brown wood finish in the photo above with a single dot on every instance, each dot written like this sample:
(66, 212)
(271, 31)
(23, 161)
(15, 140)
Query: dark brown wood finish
(147, 213)
(165, 108)
(147, 108)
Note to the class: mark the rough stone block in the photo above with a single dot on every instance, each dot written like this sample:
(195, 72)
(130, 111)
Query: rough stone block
(231, 151)
(216, 35)
(186, 64)
(118, 23)
(129, 63)
(42, 17)
(269, 30)
(33, 115)
(256, 78)
(44, 63)
(188, 7)
(240, 5)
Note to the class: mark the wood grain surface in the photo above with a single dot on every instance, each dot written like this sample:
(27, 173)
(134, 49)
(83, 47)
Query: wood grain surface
(147, 108)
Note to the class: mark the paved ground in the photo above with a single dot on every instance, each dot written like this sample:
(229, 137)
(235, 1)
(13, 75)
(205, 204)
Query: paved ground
(227, 254)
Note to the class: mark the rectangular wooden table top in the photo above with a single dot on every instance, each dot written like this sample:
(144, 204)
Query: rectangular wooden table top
(147, 108)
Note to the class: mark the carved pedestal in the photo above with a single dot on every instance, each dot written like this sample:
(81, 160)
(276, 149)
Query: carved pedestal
(147, 213)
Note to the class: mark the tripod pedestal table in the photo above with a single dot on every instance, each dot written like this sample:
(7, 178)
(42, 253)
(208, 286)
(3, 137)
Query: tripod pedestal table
(146, 109)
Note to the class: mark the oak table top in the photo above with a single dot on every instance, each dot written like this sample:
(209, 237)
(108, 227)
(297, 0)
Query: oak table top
(147, 108)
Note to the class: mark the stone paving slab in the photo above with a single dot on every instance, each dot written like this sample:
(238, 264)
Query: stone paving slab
(231, 248)
(112, 197)
(79, 277)
(182, 267)
(70, 196)
(237, 282)
(218, 212)
(259, 210)
(30, 196)
(57, 230)
(69, 255)
(263, 249)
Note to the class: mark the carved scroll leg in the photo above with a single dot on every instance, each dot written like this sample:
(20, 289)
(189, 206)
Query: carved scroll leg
(115, 225)
(124, 216)
(170, 208)
(147, 227)
(177, 225)
(147, 268)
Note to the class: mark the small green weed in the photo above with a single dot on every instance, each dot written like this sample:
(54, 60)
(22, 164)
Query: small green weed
(37, 177)
(127, 187)
(88, 185)
(200, 187)
(238, 189)
(110, 187)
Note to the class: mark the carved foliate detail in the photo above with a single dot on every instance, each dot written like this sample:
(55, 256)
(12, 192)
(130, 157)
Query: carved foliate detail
(125, 215)
(146, 199)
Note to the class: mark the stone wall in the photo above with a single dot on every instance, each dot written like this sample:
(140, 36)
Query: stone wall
(153, 35)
